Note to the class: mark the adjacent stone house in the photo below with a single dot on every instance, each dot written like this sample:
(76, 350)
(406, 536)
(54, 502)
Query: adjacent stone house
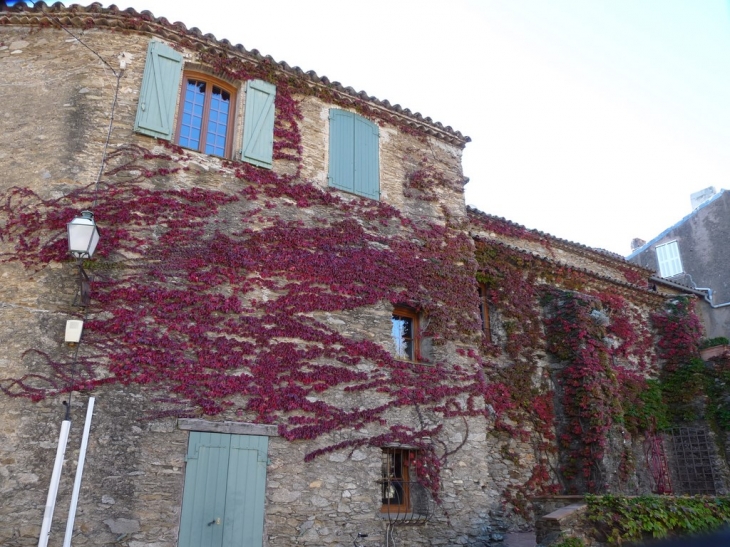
(297, 332)
(693, 252)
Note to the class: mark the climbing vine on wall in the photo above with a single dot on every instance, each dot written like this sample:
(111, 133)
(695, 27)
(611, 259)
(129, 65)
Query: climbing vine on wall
(606, 348)
(228, 297)
(234, 297)
(691, 389)
(589, 384)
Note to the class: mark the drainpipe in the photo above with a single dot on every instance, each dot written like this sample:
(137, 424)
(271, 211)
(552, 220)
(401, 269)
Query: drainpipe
(55, 478)
(705, 292)
(79, 473)
(708, 298)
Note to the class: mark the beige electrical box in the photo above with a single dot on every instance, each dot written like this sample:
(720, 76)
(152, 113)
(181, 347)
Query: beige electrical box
(73, 331)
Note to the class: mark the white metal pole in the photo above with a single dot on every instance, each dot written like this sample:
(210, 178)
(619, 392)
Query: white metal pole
(53, 488)
(79, 473)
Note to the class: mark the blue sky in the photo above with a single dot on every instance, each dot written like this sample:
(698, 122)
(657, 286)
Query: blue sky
(591, 120)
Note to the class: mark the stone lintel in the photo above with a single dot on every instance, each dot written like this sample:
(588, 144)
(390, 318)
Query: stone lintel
(565, 512)
(236, 428)
(552, 526)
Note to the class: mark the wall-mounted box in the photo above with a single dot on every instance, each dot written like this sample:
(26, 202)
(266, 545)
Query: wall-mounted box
(73, 331)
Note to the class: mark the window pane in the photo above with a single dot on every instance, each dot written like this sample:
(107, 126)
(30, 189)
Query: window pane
(481, 308)
(393, 478)
(217, 122)
(402, 329)
(192, 118)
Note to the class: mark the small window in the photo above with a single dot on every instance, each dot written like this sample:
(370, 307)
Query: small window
(206, 115)
(484, 309)
(670, 264)
(353, 154)
(405, 334)
(396, 484)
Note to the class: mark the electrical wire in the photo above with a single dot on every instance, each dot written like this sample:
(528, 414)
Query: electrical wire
(106, 143)
(118, 76)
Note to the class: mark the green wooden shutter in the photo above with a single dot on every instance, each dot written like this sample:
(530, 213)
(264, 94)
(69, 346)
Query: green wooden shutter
(258, 123)
(244, 519)
(367, 172)
(342, 150)
(206, 475)
(158, 95)
(225, 478)
(353, 154)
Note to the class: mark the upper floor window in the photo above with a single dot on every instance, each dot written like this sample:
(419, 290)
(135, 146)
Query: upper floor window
(205, 115)
(484, 309)
(405, 333)
(670, 263)
(206, 119)
(354, 164)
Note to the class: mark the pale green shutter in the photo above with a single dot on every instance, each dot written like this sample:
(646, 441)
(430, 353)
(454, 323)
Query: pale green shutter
(158, 95)
(204, 497)
(367, 172)
(258, 123)
(244, 520)
(353, 154)
(342, 150)
(225, 478)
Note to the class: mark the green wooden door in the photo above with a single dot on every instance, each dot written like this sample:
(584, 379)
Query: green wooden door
(223, 501)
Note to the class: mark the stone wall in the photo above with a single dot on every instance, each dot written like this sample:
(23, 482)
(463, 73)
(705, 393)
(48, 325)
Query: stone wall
(53, 127)
(701, 238)
(599, 262)
(52, 130)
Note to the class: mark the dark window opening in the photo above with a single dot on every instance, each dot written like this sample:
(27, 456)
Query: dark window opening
(484, 309)
(405, 334)
(395, 479)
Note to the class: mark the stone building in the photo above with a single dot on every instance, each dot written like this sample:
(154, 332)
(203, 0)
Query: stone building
(297, 332)
(693, 252)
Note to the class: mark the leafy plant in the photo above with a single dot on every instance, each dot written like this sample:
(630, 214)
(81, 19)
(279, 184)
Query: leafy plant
(712, 342)
(568, 541)
(619, 519)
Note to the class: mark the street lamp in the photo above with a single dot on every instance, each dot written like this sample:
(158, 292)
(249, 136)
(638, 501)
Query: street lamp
(83, 236)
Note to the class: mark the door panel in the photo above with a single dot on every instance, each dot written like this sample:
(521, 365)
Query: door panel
(225, 480)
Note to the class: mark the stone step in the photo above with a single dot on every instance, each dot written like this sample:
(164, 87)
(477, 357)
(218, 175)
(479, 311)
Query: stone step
(520, 539)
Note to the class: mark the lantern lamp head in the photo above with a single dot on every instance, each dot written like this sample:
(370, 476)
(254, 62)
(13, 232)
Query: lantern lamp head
(83, 236)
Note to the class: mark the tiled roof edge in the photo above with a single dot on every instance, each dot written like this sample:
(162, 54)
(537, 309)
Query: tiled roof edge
(78, 16)
(663, 281)
(603, 278)
(648, 244)
(604, 254)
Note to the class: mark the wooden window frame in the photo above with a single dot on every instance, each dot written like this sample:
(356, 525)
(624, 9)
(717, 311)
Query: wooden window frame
(210, 82)
(395, 477)
(484, 309)
(403, 312)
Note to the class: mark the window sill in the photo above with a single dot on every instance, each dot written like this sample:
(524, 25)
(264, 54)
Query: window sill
(405, 518)
(419, 363)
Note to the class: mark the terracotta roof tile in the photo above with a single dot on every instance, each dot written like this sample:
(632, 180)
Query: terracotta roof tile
(647, 292)
(564, 242)
(77, 16)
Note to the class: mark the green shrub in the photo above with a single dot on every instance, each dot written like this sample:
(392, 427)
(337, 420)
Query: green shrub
(617, 519)
(712, 342)
(568, 542)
